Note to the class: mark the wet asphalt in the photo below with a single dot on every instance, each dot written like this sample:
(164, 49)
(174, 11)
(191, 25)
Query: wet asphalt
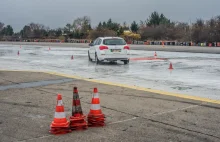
(195, 74)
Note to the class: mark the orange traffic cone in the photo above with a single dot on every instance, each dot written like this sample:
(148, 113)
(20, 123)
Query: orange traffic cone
(72, 57)
(95, 116)
(171, 66)
(77, 120)
(49, 48)
(18, 53)
(162, 43)
(59, 125)
(155, 55)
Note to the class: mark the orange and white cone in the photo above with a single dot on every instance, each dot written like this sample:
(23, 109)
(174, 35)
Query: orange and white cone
(59, 125)
(77, 120)
(163, 44)
(95, 116)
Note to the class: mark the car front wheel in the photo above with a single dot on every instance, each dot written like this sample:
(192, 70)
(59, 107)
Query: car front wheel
(96, 59)
(90, 59)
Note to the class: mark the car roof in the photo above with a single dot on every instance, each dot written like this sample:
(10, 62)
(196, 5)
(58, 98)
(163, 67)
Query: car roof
(110, 37)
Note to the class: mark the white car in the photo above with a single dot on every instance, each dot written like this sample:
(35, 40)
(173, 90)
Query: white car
(109, 49)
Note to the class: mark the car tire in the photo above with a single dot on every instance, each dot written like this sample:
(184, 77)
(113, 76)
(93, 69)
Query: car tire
(90, 59)
(96, 59)
(126, 62)
(112, 62)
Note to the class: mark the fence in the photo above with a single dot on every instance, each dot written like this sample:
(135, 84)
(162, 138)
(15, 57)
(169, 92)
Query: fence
(135, 42)
(175, 43)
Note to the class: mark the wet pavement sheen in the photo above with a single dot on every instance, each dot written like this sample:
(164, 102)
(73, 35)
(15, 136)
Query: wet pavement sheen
(196, 74)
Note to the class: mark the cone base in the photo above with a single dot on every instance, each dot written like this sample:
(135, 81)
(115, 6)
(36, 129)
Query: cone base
(79, 126)
(59, 130)
(96, 120)
(78, 123)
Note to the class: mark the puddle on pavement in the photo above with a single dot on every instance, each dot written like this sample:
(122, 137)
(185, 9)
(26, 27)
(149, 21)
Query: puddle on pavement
(181, 88)
(4, 52)
(35, 84)
(32, 53)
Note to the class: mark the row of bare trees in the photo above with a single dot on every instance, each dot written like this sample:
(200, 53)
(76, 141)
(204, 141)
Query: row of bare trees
(156, 27)
(206, 30)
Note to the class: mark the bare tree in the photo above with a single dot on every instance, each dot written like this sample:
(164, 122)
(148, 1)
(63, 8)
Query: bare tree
(181, 32)
(199, 31)
(125, 26)
(26, 32)
(82, 25)
(152, 33)
(1, 26)
(143, 24)
(68, 28)
(101, 33)
(34, 30)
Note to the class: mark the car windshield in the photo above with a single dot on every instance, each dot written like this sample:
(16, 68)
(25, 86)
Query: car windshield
(114, 42)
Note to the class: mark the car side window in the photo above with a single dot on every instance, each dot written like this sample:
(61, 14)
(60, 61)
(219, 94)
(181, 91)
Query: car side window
(99, 42)
(96, 41)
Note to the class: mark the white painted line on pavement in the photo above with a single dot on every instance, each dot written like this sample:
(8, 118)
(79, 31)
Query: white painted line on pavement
(192, 106)
(122, 121)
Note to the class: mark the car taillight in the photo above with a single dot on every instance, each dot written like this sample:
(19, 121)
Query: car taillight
(103, 47)
(126, 47)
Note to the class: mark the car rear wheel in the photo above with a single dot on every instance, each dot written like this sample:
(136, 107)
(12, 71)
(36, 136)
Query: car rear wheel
(126, 62)
(90, 59)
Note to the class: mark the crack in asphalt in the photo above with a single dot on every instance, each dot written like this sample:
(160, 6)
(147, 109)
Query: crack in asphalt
(19, 104)
(34, 83)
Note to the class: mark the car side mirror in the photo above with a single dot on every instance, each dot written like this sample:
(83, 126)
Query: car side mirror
(91, 44)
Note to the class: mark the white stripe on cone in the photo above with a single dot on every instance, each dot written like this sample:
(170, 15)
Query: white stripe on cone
(96, 95)
(60, 115)
(95, 107)
(59, 103)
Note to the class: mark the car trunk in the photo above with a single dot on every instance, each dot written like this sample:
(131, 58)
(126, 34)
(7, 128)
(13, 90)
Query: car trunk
(115, 49)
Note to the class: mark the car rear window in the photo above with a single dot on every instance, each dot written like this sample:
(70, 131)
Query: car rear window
(114, 42)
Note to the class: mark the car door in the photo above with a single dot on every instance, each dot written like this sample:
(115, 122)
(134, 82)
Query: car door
(93, 48)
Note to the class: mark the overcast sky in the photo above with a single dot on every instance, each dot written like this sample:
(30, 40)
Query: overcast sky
(56, 13)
